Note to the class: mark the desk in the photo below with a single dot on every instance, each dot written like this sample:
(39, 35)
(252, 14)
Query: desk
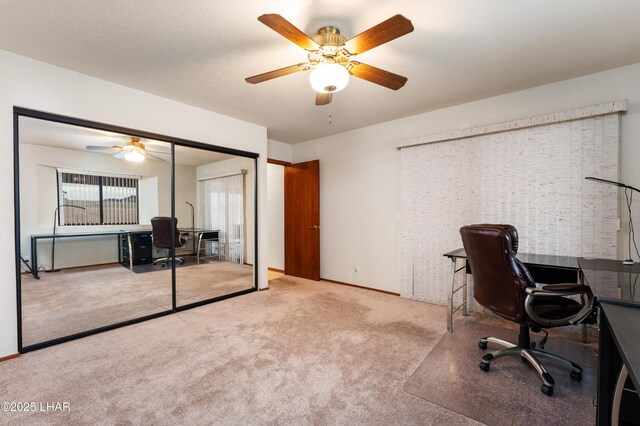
(544, 268)
(611, 280)
(36, 238)
(618, 364)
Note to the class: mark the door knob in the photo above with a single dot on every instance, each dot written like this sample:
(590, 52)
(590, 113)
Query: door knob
(314, 227)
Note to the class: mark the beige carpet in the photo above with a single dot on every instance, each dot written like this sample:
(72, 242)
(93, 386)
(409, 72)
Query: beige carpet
(79, 299)
(301, 353)
(509, 393)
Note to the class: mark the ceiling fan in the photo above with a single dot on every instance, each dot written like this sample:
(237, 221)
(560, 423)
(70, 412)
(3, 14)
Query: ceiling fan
(331, 55)
(133, 150)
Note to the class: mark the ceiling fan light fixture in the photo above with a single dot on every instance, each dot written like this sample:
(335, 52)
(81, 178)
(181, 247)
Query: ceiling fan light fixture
(329, 78)
(134, 157)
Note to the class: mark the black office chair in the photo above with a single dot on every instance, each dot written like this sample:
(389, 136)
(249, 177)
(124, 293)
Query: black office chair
(161, 238)
(502, 284)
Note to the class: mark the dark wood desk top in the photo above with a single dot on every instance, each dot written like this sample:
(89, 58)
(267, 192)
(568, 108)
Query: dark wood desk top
(611, 279)
(565, 262)
(607, 265)
(81, 234)
(624, 324)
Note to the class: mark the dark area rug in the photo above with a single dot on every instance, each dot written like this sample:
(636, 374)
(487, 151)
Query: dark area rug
(509, 394)
(150, 267)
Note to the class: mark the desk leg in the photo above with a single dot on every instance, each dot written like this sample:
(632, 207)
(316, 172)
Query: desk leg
(450, 304)
(34, 258)
(130, 251)
(583, 327)
(465, 309)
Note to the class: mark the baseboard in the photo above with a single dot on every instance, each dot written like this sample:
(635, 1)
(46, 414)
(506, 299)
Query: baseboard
(8, 357)
(276, 270)
(263, 289)
(362, 287)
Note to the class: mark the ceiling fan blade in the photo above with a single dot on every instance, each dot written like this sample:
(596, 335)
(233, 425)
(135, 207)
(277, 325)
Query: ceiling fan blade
(277, 73)
(146, 153)
(323, 98)
(102, 148)
(120, 155)
(384, 32)
(286, 29)
(378, 76)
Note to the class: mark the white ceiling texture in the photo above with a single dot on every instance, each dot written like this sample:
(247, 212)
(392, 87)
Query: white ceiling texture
(200, 51)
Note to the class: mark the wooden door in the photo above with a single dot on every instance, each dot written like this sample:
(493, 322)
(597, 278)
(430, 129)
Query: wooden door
(302, 220)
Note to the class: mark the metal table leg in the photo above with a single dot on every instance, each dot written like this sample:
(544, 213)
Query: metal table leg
(450, 297)
(450, 309)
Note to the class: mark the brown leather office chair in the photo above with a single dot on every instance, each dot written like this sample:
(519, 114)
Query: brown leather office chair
(502, 284)
(161, 237)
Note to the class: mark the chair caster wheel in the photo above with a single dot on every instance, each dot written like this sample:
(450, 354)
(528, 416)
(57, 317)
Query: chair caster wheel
(482, 345)
(484, 366)
(576, 375)
(547, 390)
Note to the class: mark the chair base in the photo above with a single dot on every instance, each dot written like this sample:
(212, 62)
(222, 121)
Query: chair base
(164, 260)
(529, 355)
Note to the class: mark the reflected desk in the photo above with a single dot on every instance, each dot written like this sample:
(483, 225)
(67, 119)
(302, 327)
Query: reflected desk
(198, 236)
(38, 237)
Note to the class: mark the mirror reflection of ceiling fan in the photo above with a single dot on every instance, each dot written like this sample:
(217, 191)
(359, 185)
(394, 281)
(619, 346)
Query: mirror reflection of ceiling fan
(133, 150)
(331, 55)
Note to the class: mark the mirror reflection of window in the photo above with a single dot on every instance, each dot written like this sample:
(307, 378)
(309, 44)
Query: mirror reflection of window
(85, 224)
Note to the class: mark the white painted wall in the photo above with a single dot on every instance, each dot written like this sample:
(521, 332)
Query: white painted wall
(360, 169)
(234, 165)
(279, 150)
(32, 84)
(275, 214)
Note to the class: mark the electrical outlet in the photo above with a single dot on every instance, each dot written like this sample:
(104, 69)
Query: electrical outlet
(356, 268)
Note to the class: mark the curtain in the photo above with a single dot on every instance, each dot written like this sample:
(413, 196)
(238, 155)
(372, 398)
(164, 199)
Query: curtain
(223, 209)
(532, 178)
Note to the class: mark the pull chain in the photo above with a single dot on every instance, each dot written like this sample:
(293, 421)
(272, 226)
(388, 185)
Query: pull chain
(331, 113)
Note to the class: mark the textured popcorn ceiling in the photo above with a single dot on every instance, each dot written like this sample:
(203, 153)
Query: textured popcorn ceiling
(199, 52)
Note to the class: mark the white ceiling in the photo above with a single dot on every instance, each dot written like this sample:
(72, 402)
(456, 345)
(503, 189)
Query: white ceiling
(65, 136)
(199, 52)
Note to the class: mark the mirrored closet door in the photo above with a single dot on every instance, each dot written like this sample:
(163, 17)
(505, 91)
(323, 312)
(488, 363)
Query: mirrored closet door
(116, 227)
(87, 200)
(215, 208)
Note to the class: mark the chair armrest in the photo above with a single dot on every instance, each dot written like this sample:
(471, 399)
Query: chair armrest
(554, 290)
(560, 290)
(567, 287)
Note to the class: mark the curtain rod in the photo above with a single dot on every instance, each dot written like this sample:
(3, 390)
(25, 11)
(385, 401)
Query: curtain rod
(540, 120)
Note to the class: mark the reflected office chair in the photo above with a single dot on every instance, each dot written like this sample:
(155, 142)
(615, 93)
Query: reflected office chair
(502, 284)
(161, 237)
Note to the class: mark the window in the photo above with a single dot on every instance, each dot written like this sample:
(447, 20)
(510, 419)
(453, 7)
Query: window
(223, 209)
(85, 198)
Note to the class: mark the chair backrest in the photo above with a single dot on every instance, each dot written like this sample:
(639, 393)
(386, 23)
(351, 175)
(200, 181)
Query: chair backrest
(161, 232)
(499, 279)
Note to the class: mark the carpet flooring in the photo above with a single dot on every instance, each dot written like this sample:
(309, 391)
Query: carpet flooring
(79, 299)
(301, 353)
(509, 393)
